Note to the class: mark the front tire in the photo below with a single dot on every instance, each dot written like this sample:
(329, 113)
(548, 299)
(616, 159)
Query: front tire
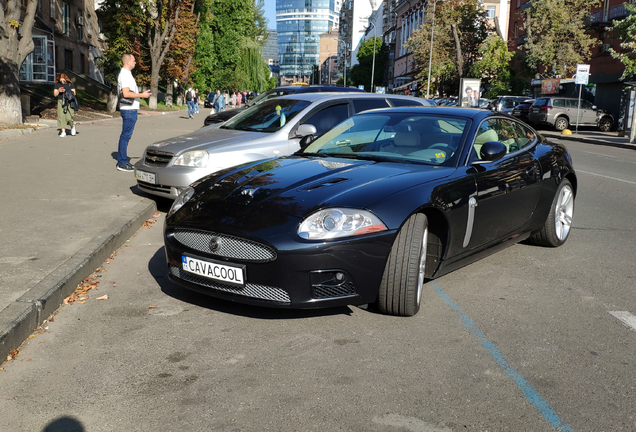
(561, 123)
(605, 124)
(558, 224)
(403, 279)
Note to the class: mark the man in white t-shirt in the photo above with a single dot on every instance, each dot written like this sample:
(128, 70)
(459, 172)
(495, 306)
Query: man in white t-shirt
(128, 86)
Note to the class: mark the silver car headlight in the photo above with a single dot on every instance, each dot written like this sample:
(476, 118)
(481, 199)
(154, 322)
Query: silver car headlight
(339, 222)
(183, 198)
(194, 158)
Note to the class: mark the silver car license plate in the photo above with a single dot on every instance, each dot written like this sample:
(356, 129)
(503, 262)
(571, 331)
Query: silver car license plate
(146, 177)
(213, 270)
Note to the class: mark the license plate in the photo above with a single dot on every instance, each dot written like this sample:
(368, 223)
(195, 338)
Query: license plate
(231, 275)
(535, 110)
(145, 177)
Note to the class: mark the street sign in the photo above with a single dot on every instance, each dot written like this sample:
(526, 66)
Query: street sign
(582, 78)
(582, 69)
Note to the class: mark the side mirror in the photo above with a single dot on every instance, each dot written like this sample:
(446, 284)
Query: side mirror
(492, 151)
(594, 107)
(305, 141)
(304, 130)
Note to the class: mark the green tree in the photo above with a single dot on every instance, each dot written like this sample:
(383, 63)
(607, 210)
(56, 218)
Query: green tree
(557, 37)
(461, 27)
(228, 49)
(626, 29)
(15, 44)
(123, 26)
(361, 73)
(494, 66)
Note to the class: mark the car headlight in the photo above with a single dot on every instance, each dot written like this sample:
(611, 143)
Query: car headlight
(194, 158)
(339, 222)
(183, 198)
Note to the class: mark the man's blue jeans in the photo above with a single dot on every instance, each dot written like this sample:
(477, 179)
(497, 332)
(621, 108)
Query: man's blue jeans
(129, 118)
(190, 108)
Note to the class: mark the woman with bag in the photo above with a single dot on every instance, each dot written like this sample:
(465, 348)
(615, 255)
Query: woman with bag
(64, 113)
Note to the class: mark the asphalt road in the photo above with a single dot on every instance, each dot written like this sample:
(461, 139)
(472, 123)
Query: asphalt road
(528, 339)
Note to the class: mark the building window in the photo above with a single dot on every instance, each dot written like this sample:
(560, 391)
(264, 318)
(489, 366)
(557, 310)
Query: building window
(490, 12)
(66, 19)
(516, 29)
(68, 59)
(80, 25)
(39, 65)
(82, 64)
(53, 9)
(518, 3)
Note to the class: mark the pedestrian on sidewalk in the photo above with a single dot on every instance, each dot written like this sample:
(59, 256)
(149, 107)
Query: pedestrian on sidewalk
(65, 90)
(219, 101)
(196, 101)
(189, 97)
(127, 85)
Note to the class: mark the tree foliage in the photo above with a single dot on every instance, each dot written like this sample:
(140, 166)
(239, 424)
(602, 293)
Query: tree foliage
(493, 66)
(557, 37)
(228, 47)
(361, 73)
(461, 27)
(626, 29)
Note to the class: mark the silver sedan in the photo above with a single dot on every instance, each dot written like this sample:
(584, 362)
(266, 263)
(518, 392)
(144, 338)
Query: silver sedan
(277, 127)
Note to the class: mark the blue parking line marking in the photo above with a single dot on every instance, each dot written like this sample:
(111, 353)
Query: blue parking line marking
(530, 393)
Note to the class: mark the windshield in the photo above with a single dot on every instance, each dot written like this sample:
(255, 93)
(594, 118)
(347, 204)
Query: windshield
(269, 94)
(268, 116)
(430, 139)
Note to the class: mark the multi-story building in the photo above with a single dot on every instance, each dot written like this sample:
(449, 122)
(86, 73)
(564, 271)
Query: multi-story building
(328, 49)
(604, 89)
(66, 38)
(270, 53)
(299, 24)
(354, 25)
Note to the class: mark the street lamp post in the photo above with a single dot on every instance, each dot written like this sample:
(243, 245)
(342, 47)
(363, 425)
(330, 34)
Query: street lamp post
(373, 65)
(430, 57)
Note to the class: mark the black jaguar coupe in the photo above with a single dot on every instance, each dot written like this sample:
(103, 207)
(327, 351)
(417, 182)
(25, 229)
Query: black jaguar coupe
(371, 210)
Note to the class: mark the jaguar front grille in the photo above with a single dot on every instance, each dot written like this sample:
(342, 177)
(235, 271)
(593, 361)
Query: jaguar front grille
(225, 246)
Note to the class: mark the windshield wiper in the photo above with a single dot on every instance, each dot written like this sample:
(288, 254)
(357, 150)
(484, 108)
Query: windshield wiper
(301, 153)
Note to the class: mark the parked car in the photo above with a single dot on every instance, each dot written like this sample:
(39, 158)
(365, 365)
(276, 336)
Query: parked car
(275, 127)
(521, 111)
(227, 114)
(561, 112)
(505, 104)
(370, 211)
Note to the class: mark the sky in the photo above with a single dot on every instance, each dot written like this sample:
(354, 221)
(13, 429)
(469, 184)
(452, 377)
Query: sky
(270, 13)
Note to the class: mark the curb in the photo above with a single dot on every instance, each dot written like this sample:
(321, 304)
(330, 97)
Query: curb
(586, 140)
(19, 319)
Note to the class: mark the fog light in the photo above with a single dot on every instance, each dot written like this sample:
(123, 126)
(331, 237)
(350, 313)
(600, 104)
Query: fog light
(331, 284)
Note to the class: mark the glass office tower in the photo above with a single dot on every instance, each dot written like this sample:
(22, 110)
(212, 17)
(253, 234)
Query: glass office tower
(299, 24)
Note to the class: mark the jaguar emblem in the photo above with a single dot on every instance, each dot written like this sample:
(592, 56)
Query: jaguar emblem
(215, 244)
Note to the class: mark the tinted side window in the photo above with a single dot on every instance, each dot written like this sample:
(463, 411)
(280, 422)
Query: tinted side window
(327, 118)
(540, 102)
(360, 105)
(558, 103)
(524, 137)
(405, 102)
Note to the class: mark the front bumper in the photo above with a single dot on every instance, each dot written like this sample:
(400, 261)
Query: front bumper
(297, 273)
(169, 180)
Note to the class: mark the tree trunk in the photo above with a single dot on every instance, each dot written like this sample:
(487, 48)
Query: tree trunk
(17, 45)
(169, 91)
(458, 47)
(111, 103)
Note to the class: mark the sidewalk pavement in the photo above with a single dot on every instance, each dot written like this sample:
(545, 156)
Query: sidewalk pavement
(65, 209)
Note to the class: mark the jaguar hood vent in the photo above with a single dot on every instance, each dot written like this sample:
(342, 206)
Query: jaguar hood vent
(321, 184)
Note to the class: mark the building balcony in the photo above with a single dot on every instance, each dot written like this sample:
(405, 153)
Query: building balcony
(618, 12)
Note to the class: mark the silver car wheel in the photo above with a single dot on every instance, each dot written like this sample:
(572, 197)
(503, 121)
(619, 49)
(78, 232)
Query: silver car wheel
(422, 268)
(563, 212)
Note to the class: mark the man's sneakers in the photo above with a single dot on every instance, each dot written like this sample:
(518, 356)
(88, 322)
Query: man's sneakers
(73, 131)
(63, 133)
(126, 168)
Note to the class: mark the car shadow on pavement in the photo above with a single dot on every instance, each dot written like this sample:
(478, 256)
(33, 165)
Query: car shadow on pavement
(159, 270)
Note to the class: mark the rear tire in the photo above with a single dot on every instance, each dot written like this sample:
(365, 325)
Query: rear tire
(561, 123)
(558, 224)
(400, 291)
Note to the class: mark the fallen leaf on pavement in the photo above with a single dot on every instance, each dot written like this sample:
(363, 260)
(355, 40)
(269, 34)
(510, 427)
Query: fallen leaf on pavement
(104, 297)
(152, 307)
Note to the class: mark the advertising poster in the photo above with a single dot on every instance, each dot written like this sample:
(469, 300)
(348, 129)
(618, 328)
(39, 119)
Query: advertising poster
(470, 89)
(550, 86)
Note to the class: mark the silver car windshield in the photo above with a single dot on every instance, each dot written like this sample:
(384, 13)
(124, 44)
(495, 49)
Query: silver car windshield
(268, 116)
(429, 139)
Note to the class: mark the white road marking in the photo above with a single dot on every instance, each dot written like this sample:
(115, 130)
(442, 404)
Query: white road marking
(607, 177)
(626, 318)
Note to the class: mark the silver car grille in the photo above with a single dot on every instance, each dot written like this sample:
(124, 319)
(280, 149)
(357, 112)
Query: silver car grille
(225, 246)
(251, 290)
(157, 158)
